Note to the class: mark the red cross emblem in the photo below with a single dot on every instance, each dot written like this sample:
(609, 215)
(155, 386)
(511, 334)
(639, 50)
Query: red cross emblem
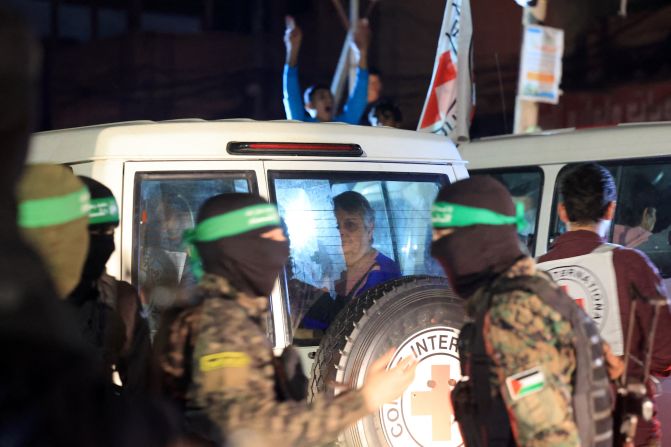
(436, 403)
(579, 301)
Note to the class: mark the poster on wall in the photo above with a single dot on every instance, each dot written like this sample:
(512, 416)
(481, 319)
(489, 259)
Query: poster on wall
(541, 64)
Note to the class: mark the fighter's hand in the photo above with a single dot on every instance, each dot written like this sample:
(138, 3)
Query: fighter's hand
(382, 385)
(293, 34)
(362, 33)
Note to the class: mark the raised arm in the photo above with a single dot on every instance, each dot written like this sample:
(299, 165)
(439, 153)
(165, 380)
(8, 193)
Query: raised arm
(293, 101)
(358, 99)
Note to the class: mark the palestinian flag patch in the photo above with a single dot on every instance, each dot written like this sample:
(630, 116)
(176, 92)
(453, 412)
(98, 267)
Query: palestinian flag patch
(525, 383)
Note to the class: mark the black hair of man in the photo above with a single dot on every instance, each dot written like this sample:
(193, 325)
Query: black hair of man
(586, 190)
(354, 202)
(385, 108)
(309, 94)
(374, 71)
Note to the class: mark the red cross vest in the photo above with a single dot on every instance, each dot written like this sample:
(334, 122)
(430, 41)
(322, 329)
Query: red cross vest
(590, 280)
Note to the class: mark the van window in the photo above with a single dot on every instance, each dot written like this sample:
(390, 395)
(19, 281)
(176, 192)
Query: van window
(349, 232)
(643, 213)
(165, 205)
(526, 186)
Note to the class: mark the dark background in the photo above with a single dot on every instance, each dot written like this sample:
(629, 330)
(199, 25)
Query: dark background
(121, 60)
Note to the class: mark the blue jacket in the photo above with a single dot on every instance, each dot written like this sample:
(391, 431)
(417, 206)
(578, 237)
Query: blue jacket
(325, 308)
(293, 98)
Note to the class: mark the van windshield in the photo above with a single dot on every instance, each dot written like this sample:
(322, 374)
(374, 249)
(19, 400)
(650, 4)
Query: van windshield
(348, 233)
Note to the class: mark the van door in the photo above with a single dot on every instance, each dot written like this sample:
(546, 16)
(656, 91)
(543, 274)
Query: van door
(160, 200)
(400, 196)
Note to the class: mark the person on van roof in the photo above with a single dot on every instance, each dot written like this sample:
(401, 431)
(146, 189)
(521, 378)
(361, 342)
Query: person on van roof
(318, 103)
(109, 311)
(605, 279)
(527, 353)
(217, 360)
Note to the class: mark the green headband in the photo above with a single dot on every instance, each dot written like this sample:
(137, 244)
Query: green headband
(226, 225)
(50, 211)
(103, 210)
(449, 215)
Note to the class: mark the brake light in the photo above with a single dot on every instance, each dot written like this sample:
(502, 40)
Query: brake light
(319, 149)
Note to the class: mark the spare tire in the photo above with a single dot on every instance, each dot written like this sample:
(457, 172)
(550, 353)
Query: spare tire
(416, 315)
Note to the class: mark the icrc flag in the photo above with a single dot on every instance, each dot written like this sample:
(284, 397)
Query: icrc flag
(448, 104)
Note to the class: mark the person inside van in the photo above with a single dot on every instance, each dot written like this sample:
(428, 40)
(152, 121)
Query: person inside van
(638, 216)
(365, 267)
(318, 103)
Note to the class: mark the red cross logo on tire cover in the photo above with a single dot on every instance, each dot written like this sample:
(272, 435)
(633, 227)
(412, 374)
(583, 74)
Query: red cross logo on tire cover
(423, 416)
(433, 403)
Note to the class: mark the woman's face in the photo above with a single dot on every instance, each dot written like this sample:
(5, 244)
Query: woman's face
(355, 236)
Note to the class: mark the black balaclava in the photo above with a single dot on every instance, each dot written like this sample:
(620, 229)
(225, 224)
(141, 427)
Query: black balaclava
(101, 246)
(249, 262)
(473, 256)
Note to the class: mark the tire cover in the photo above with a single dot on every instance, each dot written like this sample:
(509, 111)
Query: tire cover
(417, 315)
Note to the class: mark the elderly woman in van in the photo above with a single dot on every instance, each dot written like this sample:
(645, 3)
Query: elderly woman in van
(365, 267)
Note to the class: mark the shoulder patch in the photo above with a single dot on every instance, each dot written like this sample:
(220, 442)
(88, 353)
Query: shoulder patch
(220, 360)
(525, 383)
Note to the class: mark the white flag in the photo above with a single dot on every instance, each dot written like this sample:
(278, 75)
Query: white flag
(448, 104)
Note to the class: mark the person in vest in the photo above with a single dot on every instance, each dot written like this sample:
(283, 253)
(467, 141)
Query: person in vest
(217, 357)
(605, 278)
(527, 353)
(109, 311)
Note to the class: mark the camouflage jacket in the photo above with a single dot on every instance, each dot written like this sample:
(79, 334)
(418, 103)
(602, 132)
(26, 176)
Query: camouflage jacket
(531, 349)
(224, 349)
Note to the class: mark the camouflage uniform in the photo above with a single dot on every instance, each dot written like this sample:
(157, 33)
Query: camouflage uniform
(232, 374)
(522, 336)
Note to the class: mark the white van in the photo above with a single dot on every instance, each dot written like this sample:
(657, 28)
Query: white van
(638, 156)
(161, 172)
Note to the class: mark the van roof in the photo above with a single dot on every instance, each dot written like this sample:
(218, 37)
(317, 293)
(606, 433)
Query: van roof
(570, 145)
(194, 139)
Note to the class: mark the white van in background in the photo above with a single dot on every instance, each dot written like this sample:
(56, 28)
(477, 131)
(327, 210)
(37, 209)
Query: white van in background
(638, 156)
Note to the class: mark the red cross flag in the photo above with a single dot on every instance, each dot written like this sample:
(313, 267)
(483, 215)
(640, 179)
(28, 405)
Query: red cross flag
(447, 109)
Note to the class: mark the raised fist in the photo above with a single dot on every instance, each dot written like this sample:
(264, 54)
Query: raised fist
(293, 34)
(361, 38)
